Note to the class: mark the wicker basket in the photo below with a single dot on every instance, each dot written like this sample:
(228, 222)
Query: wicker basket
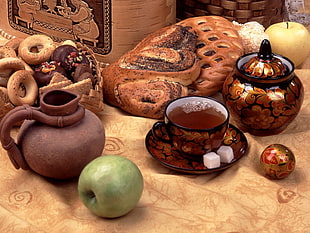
(93, 101)
(265, 12)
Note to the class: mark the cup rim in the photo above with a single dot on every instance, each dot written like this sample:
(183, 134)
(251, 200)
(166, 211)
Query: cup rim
(191, 129)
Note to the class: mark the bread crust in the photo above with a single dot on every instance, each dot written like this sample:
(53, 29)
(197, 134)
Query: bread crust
(218, 48)
(155, 72)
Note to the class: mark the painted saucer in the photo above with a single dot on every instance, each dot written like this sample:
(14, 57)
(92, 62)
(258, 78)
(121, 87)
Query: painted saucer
(170, 157)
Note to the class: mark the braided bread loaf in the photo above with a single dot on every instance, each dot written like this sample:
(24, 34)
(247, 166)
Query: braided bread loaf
(218, 47)
(156, 71)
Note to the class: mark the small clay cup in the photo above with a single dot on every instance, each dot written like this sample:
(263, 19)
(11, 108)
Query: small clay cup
(197, 136)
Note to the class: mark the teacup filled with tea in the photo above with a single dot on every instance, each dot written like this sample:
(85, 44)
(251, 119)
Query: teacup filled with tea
(195, 125)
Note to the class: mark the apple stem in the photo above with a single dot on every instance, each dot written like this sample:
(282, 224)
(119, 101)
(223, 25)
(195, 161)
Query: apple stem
(286, 25)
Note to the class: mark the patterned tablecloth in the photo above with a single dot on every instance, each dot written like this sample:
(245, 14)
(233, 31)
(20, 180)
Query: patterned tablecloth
(239, 199)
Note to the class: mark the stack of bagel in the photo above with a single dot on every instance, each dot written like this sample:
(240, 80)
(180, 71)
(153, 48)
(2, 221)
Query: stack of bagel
(191, 57)
(33, 65)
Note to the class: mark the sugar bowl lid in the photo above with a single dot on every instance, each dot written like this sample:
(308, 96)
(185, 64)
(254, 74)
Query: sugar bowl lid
(265, 64)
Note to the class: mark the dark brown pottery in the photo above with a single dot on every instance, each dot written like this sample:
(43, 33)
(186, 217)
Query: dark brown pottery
(263, 95)
(57, 139)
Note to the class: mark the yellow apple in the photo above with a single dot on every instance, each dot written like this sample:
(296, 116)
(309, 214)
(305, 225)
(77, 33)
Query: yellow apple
(291, 40)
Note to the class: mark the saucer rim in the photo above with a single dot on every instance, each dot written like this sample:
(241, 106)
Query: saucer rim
(201, 171)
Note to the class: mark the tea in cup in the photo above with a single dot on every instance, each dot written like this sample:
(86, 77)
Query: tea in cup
(194, 125)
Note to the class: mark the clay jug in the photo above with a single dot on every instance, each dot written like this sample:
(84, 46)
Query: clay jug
(56, 139)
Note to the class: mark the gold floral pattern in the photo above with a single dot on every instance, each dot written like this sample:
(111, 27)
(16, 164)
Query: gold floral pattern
(169, 156)
(263, 108)
(193, 143)
(277, 161)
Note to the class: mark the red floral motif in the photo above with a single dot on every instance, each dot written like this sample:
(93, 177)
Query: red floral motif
(271, 173)
(177, 131)
(161, 133)
(257, 118)
(279, 122)
(161, 149)
(250, 98)
(231, 136)
(282, 175)
(171, 157)
(243, 101)
(191, 148)
(282, 158)
(278, 107)
(236, 89)
(263, 106)
(291, 165)
(270, 156)
(257, 91)
(264, 100)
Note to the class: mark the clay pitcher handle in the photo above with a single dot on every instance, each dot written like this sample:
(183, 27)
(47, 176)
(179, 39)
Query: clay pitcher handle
(9, 120)
(27, 112)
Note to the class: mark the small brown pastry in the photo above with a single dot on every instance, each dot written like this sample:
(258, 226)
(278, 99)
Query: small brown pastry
(9, 65)
(22, 88)
(44, 72)
(69, 57)
(83, 71)
(6, 51)
(14, 43)
(36, 49)
(4, 97)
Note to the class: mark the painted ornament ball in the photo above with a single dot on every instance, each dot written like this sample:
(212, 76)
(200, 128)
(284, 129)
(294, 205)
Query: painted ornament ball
(277, 161)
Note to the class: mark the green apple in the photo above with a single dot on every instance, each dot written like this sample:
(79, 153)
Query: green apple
(110, 186)
(291, 40)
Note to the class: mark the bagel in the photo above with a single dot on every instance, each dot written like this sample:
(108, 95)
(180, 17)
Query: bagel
(36, 49)
(69, 42)
(8, 66)
(6, 51)
(22, 88)
(14, 43)
(4, 97)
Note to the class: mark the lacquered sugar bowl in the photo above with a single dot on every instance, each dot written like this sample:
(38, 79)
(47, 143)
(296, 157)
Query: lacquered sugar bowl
(263, 94)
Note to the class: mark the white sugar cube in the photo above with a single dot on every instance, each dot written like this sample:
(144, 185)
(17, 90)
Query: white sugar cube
(226, 154)
(211, 160)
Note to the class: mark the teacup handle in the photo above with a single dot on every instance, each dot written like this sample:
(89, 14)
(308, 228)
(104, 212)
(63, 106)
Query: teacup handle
(160, 131)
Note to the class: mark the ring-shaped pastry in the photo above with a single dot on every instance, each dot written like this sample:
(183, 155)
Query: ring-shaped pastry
(36, 49)
(14, 43)
(6, 51)
(9, 65)
(22, 88)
